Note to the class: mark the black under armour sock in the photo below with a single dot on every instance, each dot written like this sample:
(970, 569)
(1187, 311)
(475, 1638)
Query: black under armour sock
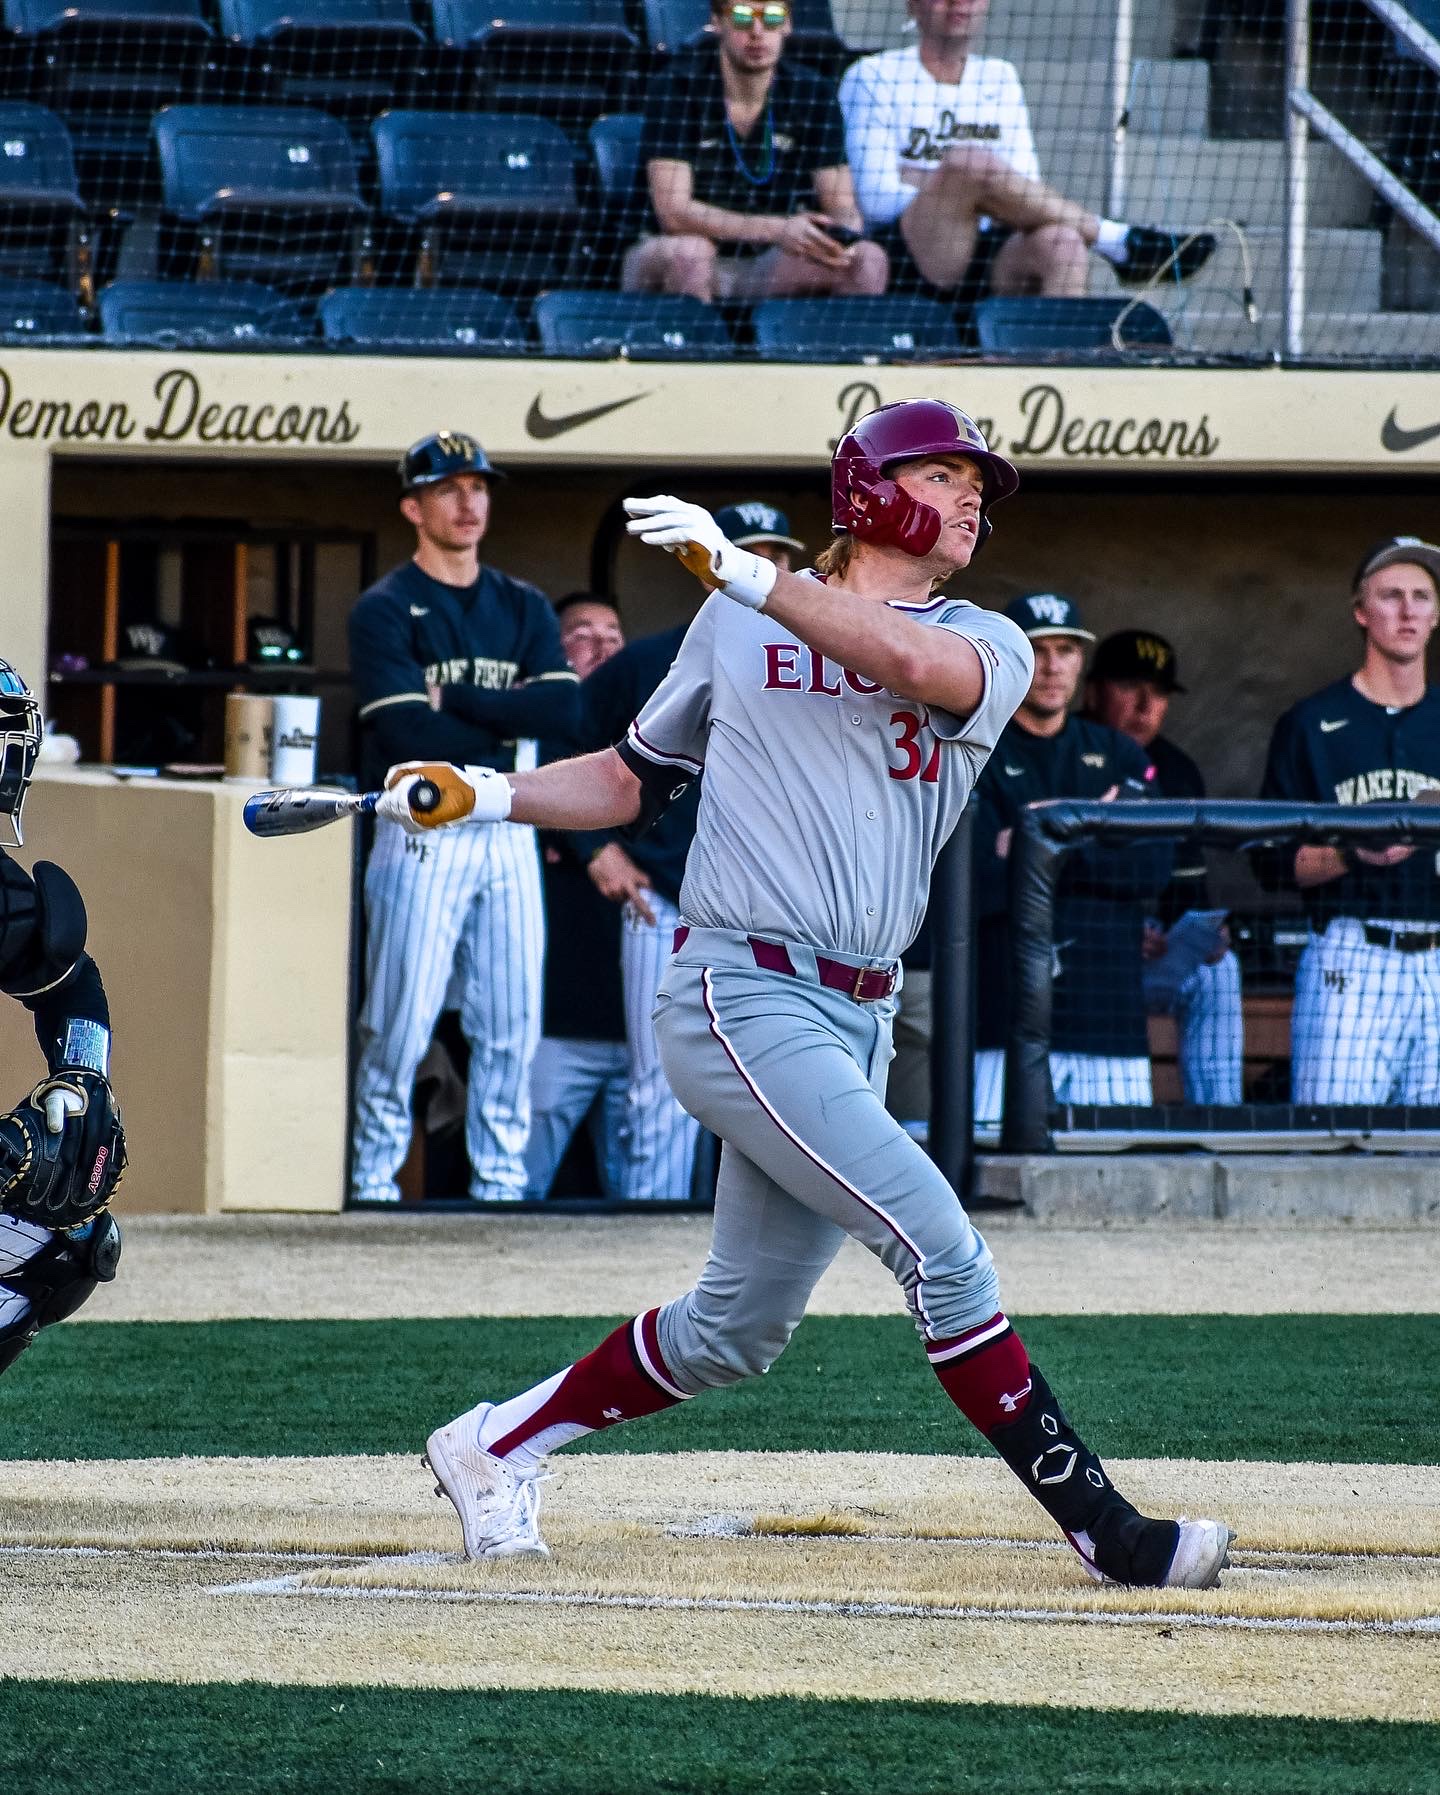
(1069, 1482)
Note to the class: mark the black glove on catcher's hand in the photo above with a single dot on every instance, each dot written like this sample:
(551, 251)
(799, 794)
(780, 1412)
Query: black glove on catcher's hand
(62, 1151)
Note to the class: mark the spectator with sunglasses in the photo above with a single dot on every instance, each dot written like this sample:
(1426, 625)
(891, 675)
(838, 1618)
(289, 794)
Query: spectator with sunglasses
(744, 158)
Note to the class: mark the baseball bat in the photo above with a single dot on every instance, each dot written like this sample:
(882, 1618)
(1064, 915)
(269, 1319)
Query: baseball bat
(296, 810)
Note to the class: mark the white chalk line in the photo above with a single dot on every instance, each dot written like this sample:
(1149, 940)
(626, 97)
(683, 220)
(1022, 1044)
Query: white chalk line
(292, 1586)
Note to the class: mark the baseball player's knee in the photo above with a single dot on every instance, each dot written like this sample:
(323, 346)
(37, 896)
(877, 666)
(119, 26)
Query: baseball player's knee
(718, 1343)
(55, 1282)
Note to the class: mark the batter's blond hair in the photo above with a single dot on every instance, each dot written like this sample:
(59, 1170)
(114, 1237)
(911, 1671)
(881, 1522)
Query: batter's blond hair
(835, 558)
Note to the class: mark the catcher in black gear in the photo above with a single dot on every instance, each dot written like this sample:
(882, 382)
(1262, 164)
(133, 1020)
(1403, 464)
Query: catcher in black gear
(62, 1148)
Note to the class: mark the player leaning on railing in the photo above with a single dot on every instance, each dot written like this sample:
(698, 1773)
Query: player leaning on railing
(841, 722)
(62, 1150)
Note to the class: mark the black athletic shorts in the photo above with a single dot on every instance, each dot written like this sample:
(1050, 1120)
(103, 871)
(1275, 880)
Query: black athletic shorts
(905, 277)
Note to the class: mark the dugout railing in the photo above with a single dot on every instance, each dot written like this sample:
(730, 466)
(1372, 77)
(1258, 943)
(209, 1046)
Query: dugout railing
(1033, 1122)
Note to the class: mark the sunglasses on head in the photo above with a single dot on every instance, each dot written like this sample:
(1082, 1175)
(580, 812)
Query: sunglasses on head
(772, 16)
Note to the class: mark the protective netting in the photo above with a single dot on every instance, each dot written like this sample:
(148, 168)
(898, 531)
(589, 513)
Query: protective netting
(1285, 985)
(829, 179)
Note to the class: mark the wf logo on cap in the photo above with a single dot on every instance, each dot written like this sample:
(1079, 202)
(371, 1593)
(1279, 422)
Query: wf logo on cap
(1047, 607)
(758, 516)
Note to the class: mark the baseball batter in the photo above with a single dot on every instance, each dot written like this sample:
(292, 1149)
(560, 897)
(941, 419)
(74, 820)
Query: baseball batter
(841, 721)
(62, 1150)
(454, 660)
(1366, 1022)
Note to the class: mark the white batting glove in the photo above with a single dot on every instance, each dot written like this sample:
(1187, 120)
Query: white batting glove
(690, 533)
(467, 795)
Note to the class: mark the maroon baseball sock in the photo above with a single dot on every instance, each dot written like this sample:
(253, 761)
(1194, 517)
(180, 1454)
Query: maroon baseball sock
(624, 1378)
(985, 1372)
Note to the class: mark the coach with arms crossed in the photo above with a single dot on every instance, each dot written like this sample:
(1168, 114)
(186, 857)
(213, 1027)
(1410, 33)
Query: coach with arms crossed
(1366, 1023)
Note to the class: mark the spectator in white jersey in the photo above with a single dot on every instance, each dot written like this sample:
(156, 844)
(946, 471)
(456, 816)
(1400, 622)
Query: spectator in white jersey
(944, 165)
(744, 158)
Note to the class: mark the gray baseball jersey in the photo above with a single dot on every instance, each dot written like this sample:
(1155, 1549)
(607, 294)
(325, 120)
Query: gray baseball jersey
(826, 798)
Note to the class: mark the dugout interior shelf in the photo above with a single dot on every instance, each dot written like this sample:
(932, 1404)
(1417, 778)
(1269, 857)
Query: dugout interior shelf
(196, 576)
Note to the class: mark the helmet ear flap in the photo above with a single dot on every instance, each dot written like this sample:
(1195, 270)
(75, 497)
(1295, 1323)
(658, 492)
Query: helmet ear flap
(880, 510)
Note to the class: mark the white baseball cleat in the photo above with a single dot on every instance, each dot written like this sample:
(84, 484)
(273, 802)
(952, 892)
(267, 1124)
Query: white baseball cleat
(1201, 1553)
(499, 1508)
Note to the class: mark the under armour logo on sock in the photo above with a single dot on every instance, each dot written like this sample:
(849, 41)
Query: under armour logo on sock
(613, 1414)
(1010, 1403)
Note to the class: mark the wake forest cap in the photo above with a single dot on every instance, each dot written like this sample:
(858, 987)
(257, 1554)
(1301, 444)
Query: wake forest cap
(1137, 654)
(755, 521)
(1048, 614)
(1396, 549)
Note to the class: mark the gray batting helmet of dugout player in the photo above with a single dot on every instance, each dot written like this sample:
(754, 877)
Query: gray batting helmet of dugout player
(442, 456)
(865, 500)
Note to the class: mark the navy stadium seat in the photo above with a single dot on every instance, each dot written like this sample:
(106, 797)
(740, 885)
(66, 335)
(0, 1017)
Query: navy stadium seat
(198, 314)
(42, 218)
(350, 57)
(265, 193)
(615, 146)
(565, 59)
(107, 66)
(642, 326)
(34, 310)
(479, 198)
(1031, 326)
(461, 319)
(898, 328)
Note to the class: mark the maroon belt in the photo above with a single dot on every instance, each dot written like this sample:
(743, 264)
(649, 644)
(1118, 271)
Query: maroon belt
(864, 984)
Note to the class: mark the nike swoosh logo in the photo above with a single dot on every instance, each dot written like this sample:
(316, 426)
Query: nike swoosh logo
(1397, 439)
(1330, 728)
(543, 428)
(419, 610)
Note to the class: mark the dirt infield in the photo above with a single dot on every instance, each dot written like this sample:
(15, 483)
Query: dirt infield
(127, 1562)
(367, 1267)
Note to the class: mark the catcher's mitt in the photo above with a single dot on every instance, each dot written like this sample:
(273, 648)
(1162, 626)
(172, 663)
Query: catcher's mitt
(60, 1177)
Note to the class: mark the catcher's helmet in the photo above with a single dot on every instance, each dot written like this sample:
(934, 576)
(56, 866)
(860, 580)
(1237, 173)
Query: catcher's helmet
(441, 457)
(20, 732)
(868, 503)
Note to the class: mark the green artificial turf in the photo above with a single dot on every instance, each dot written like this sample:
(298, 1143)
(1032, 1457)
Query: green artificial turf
(158, 1739)
(1284, 1387)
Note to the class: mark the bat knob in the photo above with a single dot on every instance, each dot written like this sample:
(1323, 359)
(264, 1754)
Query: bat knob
(424, 797)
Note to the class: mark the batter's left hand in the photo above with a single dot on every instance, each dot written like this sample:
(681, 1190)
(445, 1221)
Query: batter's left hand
(693, 536)
(473, 794)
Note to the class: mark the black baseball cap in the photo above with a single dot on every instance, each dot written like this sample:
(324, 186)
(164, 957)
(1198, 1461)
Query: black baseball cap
(1137, 654)
(755, 521)
(1048, 614)
(270, 642)
(441, 456)
(147, 645)
(1395, 549)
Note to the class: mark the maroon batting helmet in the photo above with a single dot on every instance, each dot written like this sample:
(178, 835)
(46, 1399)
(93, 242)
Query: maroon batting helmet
(868, 503)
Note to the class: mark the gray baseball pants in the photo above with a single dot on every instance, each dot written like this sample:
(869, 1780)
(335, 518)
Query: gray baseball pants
(791, 1076)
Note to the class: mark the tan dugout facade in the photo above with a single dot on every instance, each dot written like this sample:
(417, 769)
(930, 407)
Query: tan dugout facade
(226, 959)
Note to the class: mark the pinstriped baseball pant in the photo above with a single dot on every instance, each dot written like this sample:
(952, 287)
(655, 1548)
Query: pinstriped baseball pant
(457, 911)
(791, 1076)
(659, 1137)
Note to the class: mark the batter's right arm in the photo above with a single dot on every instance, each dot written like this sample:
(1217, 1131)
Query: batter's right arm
(593, 791)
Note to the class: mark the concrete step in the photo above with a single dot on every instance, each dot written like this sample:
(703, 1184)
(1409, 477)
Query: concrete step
(1343, 269)
(1187, 180)
(1167, 96)
(1405, 338)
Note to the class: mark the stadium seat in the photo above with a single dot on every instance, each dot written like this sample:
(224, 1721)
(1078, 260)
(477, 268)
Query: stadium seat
(477, 198)
(615, 146)
(564, 59)
(107, 66)
(619, 208)
(461, 319)
(888, 329)
(672, 25)
(351, 57)
(198, 314)
(642, 326)
(1039, 326)
(42, 218)
(263, 193)
(31, 310)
